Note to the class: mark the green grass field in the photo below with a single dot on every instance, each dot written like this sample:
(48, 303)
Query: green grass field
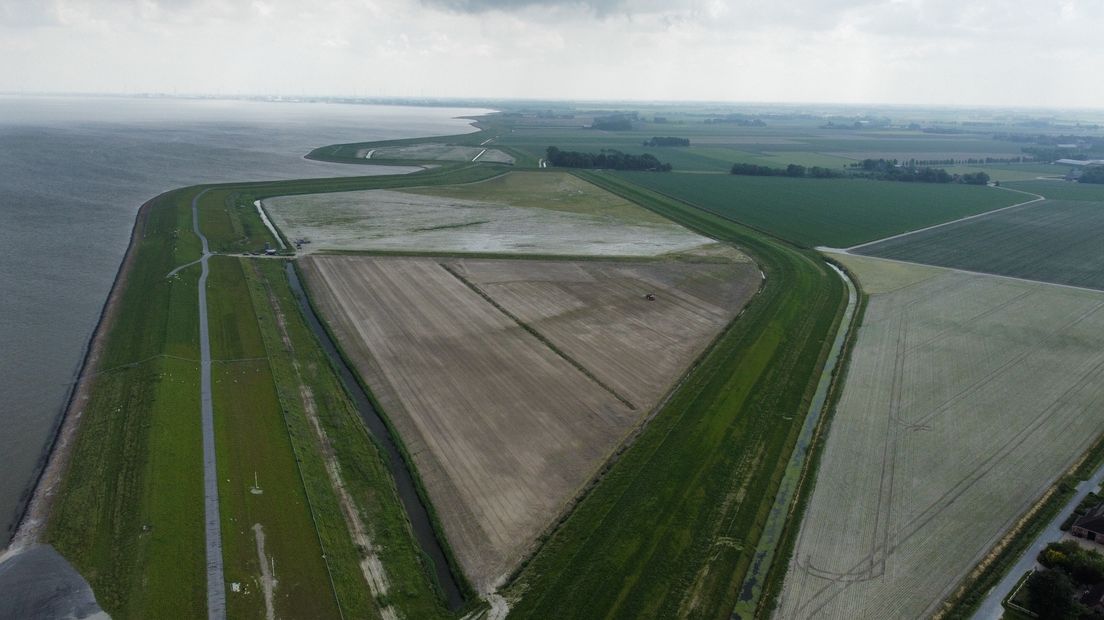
(671, 528)
(253, 447)
(1061, 190)
(360, 462)
(129, 514)
(1050, 241)
(826, 212)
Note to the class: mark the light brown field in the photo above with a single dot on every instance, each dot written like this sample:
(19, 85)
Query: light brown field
(508, 421)
(516, 213)
(967, 396)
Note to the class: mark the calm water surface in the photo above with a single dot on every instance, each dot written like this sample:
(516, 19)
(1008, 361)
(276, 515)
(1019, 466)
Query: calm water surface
(73, 173)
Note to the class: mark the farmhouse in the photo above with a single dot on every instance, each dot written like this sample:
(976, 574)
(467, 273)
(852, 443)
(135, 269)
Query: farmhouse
(1091, 525)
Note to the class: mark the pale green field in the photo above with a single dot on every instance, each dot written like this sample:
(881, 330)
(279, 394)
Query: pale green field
(438, 152)
(533, 213)
(967, 396)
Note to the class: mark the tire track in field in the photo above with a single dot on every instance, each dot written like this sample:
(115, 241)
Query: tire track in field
(948, 498)
(858, 574)
(1000, 370)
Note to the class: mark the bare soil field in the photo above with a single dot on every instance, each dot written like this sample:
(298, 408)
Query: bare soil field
(1059, 241)
(635, 348)
(499, 378)
(438, 152)
(523, 213)
(967, 396)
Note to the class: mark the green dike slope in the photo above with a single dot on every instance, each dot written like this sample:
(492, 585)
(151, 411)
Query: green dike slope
(129, 508)
(837, 213)
(671, 528)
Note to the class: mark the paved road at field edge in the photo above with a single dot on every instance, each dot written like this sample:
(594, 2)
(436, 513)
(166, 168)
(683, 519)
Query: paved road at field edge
(991, 608)
(216, 586)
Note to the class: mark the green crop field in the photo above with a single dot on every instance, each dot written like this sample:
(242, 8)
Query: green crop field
(827, 212)
(1051, 241)
(671, 528)
(1061, 190)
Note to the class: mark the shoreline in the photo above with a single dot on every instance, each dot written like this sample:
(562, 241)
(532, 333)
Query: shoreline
(35, 512)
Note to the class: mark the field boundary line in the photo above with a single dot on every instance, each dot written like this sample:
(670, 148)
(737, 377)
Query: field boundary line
(1038, 198)
(969, 479)
(539, 336)
(966, 271)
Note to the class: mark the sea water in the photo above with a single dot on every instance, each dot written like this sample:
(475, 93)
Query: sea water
(73, 173)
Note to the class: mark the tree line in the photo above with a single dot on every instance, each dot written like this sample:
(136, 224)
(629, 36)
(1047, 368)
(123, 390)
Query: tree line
(1092, 174)
(880, 169)
(609, 159)
(792, 170)
(667, 141)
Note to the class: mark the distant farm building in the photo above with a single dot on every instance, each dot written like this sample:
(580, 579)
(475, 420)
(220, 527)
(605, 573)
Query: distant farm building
(1080, 162)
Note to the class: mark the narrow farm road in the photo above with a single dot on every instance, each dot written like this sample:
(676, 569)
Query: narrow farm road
(216, 586)
(991, 608)
(1036, 198)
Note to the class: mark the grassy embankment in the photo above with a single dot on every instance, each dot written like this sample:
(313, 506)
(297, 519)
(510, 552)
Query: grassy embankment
(671, 527)
(828, 212)
(780, 564)
(130, 510)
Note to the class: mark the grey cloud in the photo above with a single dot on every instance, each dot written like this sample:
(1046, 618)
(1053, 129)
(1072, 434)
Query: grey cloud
(23, 14)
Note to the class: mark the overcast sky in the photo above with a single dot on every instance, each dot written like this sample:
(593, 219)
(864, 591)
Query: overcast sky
(1011, 52)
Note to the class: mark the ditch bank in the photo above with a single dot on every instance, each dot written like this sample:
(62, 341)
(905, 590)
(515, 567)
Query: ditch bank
(417, 512)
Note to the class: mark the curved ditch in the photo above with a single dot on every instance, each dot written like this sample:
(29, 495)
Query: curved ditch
(416, 510)
(752, 589)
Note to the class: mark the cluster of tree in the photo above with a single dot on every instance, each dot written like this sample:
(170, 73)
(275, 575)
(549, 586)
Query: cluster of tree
(1048, 139)
(739, 120)
(891, 170)
(1019, 159)
(792, 170)
(609, 159)
(867, 122)
(667, 141)
(1054, 153)
(974, 178)
(1053, 593)
(615, 122)
(1092, 174)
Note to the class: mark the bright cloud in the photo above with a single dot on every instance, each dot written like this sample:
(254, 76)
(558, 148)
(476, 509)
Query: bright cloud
(880, 51)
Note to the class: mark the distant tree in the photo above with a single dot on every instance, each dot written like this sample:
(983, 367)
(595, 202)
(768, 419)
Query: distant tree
(609, 159)
(614, 122)
(794, 170)
(818, 172)
(1092, 174)
(754, 170)
(667, 141)
(975, 178)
